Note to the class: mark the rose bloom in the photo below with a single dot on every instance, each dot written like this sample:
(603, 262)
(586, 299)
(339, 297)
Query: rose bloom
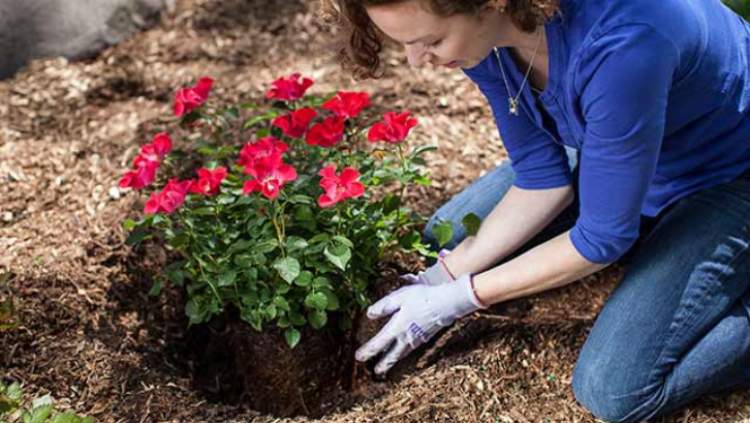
(339, 187)
(289, 88)
(169, 199)
(265, 147)
(188, 99)
(294, 124)
(269, 180)
(347, 105)
(393, 129)
(327, 133)
(208, 181)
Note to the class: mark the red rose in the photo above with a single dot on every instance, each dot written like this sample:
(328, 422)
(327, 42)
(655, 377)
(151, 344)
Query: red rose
(147, 162)
(269, 180)
(188, 99)
(143, 175)
(339, 187)
(159, 147)
(290, 88)
(265, 147)
(393, 129)
(294, 125)
(208, 181)
(169, 199)
(327, 133)
(347, 105)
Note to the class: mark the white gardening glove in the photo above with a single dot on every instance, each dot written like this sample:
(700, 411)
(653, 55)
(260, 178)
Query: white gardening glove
(436, 274)
(420, 312)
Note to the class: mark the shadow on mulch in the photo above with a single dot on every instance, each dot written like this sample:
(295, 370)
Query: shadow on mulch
(267, 15)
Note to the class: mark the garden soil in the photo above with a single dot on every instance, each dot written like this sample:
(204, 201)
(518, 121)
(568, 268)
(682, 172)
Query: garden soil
(92, 337)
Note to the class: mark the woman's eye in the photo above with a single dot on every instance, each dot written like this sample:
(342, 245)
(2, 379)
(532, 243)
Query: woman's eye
(436, 43)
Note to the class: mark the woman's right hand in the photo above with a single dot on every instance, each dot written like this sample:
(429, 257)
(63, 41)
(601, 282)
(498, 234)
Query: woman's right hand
(437, 274)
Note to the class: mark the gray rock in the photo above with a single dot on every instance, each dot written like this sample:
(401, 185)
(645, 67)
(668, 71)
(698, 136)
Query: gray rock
(75, 29)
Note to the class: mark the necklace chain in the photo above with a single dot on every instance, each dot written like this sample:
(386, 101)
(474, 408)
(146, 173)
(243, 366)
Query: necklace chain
(513, 100)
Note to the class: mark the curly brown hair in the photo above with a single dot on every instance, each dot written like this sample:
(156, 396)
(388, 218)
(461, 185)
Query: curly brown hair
(361, 44)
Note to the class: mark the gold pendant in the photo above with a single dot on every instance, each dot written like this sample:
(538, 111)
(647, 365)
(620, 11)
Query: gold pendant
(513, 106)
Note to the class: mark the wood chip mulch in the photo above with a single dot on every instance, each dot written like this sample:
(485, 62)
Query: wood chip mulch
(92, 337)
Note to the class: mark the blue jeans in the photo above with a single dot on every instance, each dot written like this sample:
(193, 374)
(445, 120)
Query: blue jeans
(677, 327)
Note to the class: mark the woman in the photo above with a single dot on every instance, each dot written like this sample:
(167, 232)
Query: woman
(628, 130)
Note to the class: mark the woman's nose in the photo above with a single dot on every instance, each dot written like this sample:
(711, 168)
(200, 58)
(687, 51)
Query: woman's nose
(415, 55)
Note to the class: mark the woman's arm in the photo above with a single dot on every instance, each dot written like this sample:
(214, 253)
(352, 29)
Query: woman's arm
(552, 264)
(519, 216)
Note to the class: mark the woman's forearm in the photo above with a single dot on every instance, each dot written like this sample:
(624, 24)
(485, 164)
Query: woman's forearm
(550, 265)
(519, 216)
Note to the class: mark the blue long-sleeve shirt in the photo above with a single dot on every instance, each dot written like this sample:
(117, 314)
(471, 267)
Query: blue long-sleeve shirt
(654, 94)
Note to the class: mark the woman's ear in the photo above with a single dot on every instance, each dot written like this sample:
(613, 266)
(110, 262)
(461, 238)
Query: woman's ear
(492, 7)
(496, 5)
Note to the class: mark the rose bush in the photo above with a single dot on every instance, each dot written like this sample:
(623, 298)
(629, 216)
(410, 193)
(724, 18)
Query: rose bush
(280, 209)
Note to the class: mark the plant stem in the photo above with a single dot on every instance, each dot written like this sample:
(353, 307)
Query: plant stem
(279, 233)
(402, 193)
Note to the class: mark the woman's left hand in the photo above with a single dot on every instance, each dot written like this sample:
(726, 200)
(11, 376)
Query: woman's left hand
(420, 312)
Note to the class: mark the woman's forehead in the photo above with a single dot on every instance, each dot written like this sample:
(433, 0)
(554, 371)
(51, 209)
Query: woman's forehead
(406, 22)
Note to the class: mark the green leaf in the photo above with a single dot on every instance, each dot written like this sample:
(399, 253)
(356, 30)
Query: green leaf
(14, 391)
(471, 223)
(322, 237)
(338, 255)
(196, 311)
(255, 120)
(317, 318)
(331, 299)
(288, 268)
(240, 245)
(270, 312)
(423, 180)
(244, 260)
(179, 240)
(301, 199)
(391, 203)
(316, 300)
(129, 224)
(69, 417)
(292, 337)
(249, 106)
(294, 243)
(41, 413)
(443, 232)
(227, 278)
(266, 246)
(175, 273)
(155, 289)
(158, 218)
(407, 241)
(282, 288)
(204, 211)
(226, 199)
(281, 303)
(344, 240)
(137, 236)
(423, 149)
(322, 282)
(297, 319)
(232, 112)
(419, 161)
(304, 279)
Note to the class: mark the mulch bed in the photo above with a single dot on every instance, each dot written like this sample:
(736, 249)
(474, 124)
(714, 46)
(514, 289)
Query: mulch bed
(92, 337)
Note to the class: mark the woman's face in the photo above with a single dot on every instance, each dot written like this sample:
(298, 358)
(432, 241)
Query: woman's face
(453, 41)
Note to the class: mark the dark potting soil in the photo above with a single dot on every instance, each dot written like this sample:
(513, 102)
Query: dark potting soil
(232, 363)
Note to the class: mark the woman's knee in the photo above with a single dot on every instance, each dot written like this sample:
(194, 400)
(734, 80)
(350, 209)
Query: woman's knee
(589, 391)
(597, 387)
